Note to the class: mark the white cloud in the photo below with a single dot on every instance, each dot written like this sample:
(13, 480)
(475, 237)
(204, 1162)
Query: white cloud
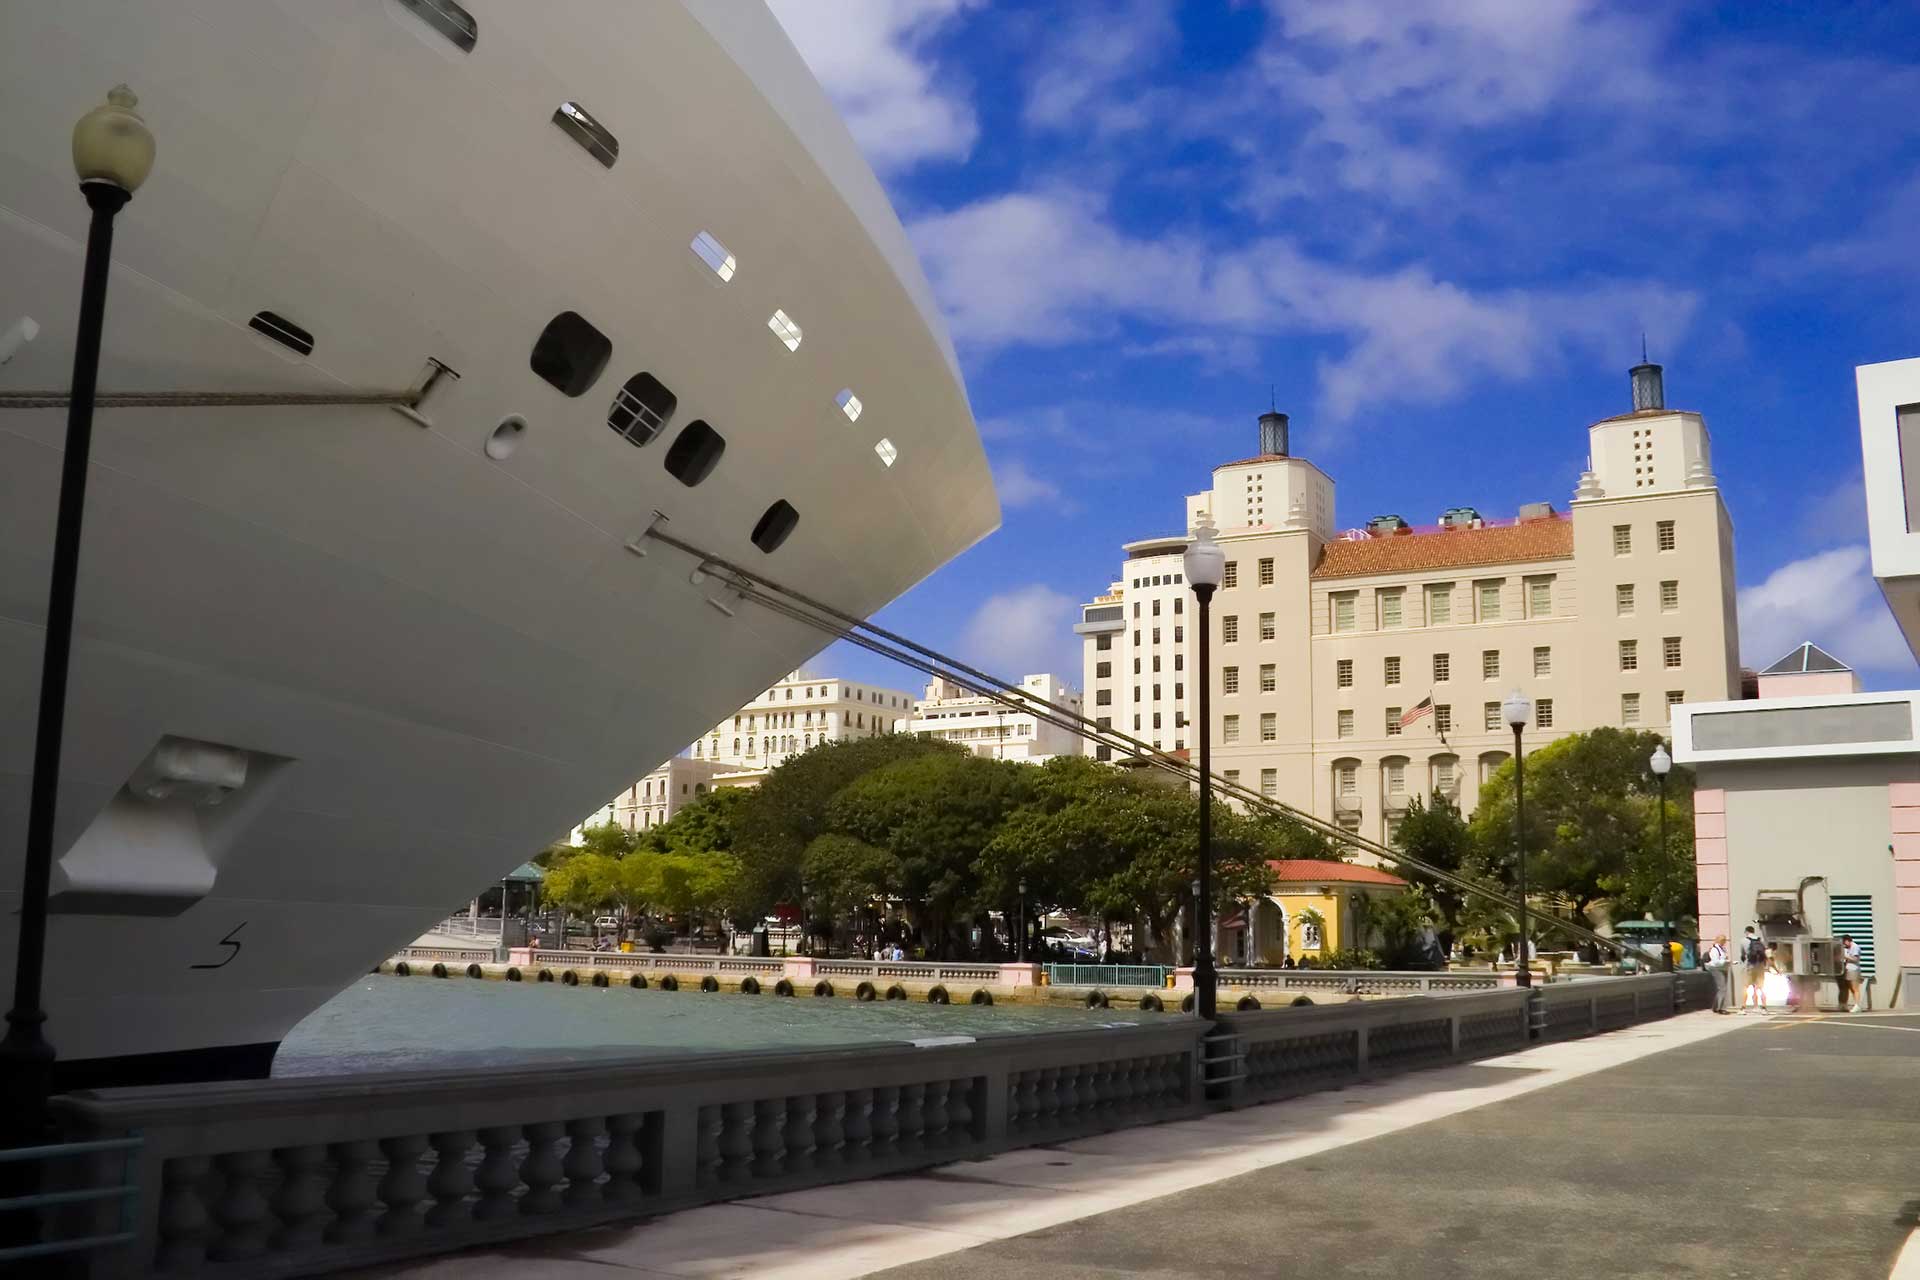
(1103, 45)
(1020, 487)
(1829, 598)
(1023, 632)
(872, 57)
(1048, 267)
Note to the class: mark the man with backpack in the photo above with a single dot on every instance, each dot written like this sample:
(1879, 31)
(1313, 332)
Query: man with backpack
(1753, 953)
(1722, 975)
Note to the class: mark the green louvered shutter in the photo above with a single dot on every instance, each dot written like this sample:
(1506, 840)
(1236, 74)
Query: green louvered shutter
(1853, 913)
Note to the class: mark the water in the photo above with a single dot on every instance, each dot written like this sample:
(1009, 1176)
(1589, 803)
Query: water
(384, 1023)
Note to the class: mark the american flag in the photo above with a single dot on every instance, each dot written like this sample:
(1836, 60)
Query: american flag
(1424, 707)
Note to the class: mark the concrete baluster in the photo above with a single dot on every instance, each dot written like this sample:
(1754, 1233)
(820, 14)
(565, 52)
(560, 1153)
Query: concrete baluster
(858, 1125)
(185, 1222)
(736, 1142)
(245, 1217)
(829, 1128)
(624, 1161)
(451, 1182)
(404, 1186)
(913, 1117)
(301, 1202)
(583, 1166)
(885, 1120)
(937, 1120)
(1027, 1113)
(799, 1131)
(351, 1197)
(498, 1174)
(960, 1112)
(708, 1160)
(769, 1137)
(540, 1168)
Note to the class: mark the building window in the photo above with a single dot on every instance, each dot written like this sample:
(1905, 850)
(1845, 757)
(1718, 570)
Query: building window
(1102, 670)
(1266, 571)
(1443, 776)
(1396, 777)
(1178, 605)
(1542, 660)
(1392, 822)
(1344, 724)
(1629, 708)
(1540, 597)
(1269, 726)
(1156, 635)
(1136, 693)
(1156, 722)
(1156, 662)
(1156, 608)
(1670, 651)
(1543, 713)
(1229, 679)
(1229, 629)
(1179, 634)
(1103, 753)
(1663, 535)
(1136, 637)
(1103, 698)
(1440, 603)
(1230, 577)
(1179, 662)
(1622, 539)
(1347, 780)
(1669, 596)
(1443, 717)
(1343, 673)
(1266, 626)
(1490, 664)
(1229, 728)
(1233, 777)
(640, 409)
(1489, 593)
(1490, 715)
(1270, 783)
(1674, 698)
(1103, 643)
(1156, 691)
(1136, 608)
(1623, 599)
(1267, 680)
(1343, 606)
(1391, 670)
(1629, 655)
(1390, 611)
(1442, 667)
(1393, 722)
(1136, 722)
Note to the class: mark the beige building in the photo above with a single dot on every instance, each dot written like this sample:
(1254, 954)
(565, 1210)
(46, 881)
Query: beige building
(802, 712)
(658, 796)
(1327, 645)
(985, 727)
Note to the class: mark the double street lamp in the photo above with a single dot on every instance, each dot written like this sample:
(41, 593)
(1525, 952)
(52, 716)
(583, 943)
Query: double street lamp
(112, 155)
(1021, 953)
(1660, 763)
(1518, 709)
(1205, 566)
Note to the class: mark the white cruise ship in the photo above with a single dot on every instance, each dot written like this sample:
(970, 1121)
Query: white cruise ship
(336, 669)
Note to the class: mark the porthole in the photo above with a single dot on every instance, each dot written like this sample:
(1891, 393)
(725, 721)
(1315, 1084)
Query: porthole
(695, 453)
(886, 451)
(283, 331)
(449, 19)
(774, 526)
(506, 438)
(641, 407)
(571, 353)
(715, 255)
(594, 138)
(849, 404)
(784, 329)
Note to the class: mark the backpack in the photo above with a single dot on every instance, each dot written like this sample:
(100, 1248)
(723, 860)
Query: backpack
(1756, 951)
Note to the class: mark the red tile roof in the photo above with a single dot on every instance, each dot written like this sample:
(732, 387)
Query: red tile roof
(1324, 871)
(1549, 538)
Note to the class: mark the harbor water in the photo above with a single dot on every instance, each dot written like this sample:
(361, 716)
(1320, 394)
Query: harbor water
(384, 1023)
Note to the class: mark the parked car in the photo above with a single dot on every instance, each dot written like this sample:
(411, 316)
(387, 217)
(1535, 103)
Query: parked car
(607, 922)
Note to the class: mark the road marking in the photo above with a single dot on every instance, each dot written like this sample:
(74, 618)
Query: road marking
(1875, 1026)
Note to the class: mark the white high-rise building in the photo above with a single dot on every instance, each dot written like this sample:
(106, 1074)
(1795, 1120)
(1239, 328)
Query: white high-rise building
(801, 712)
(987, 728)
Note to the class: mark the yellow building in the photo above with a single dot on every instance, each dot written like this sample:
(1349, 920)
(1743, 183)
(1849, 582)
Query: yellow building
(1307, 912)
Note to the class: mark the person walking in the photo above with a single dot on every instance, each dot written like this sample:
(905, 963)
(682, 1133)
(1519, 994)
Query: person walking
(1851, 972)
(1753, 954)
(1722, 974)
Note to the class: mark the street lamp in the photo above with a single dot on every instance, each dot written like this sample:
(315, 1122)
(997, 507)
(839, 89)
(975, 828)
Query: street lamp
(1518, 709)
(112, 155)
(1205, 566)
(1022, 946)
(1660, 763)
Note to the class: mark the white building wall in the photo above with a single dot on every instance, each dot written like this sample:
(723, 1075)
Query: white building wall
(988, 728)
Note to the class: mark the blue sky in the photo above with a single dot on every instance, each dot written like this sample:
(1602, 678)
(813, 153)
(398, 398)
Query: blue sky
(1436, 231)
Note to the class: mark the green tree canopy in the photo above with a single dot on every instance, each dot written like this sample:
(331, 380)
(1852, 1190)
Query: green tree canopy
(1438, 836)
(845, 874)
(706, 824)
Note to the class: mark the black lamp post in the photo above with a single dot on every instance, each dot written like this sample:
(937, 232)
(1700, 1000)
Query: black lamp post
(1660, 763)
(1021, 951)
(1205, 566)
(1518, 708)
(112, 154)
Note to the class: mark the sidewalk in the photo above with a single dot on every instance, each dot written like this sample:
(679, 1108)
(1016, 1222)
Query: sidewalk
(857, 1228)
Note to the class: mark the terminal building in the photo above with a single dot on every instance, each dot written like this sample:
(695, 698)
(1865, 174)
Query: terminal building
(1358, 668)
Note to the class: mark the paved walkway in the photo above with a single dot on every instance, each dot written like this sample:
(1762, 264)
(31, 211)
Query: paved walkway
(1722, 1147)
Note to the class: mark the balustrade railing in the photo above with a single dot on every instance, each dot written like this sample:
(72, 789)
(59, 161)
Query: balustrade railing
(1110, 975)
(1370, 982)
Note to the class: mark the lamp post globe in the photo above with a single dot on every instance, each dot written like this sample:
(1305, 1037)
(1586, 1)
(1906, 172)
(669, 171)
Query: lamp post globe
(1205, 565)
(1660, 762)
(1517, 709)
(112, 155)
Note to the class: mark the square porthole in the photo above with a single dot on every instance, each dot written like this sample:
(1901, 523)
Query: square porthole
(888, 454)
(695, 453)
(849, 404)
(774, 526)
(785, 329)
(715, 255)
(640, 409)
(571, 353)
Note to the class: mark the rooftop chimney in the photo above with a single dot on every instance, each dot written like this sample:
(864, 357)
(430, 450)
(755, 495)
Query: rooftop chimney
(1273, 433)
(1648, 389)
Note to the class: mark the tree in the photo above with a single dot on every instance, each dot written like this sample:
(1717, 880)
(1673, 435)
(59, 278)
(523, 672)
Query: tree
(1660, 881)
(845, 874)
(1400, 922)
(1438, 836)
(706, 824)
(584, 883)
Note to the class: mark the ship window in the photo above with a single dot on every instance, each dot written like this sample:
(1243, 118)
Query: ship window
(593, 137)
(571, 353)
(283, 331)
(773, 529)
(640, 409)
(785, 329)
(849, 404)
(715, 255)
(695, 453)
(449, 19)
(886, 451)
